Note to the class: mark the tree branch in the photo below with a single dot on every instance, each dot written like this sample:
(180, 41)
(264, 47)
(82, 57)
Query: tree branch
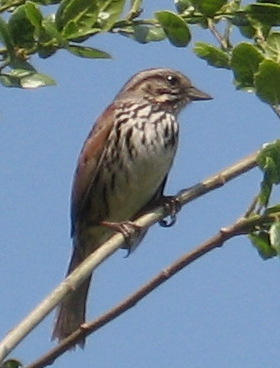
(10, 5)
(108, 248)
(240, 227)
(222, 41)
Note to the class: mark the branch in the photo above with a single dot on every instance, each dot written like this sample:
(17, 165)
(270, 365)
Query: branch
(222, 41)
(240, 227)
(10, 5)
(109, 247)
(135, 11)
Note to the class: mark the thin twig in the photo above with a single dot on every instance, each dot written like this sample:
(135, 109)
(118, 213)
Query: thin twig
(222, 41)
(108, 248)
(11, 5)
(227, 33)
(135, 11)
(252, 207)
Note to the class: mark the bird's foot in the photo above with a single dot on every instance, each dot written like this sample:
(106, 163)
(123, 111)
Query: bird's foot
(172, 206)
(128, 229)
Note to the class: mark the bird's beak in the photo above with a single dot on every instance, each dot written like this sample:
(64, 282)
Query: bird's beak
(195, 94)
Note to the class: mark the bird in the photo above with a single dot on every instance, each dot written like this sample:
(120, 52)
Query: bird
(122, 170)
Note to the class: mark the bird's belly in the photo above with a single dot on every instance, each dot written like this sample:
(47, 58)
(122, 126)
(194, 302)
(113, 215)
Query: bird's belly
(136, 184)
(131, 174)
(141, 163)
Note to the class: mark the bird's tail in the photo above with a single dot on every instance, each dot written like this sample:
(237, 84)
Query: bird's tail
(71, 312)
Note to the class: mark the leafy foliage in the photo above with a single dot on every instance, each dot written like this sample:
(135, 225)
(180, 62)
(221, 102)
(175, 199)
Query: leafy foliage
(175, 28)
(269, 162)
(212, 54)
(208, 7)
(12, 363)
(26, 30)
(266, 238)
(245, 62)
(267, 82)
(260, 240)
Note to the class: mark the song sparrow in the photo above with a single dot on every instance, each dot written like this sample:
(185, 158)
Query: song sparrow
(122, 169)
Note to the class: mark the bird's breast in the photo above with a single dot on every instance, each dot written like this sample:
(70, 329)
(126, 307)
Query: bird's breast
(139, 154)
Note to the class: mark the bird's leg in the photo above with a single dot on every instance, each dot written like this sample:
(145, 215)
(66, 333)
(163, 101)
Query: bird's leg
(172, 206)
(128, 229)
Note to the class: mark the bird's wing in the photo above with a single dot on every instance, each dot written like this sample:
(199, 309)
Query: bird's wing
(89, 161)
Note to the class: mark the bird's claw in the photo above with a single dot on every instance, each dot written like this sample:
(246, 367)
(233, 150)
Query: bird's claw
(128, 229)
(172, 206)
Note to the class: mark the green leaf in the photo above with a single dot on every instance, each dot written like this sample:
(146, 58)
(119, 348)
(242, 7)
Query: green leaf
(50, 33)
(268, 14)
(20, 63)
(272, 210)
(240, 19)
(245, 63)
(174, 27)
(50, 38)
(46, 51)
(248, 27)
(20, 73)
(145, 34)
(274, 236)
(74, 33)
(213, 55)
(25, 79)
(261, 242)
(12, 363)
(267, 82)
(272, 46)
(6, 38)
(269, 162)
(34, 14)
(82, 12)
(9, 81)
(209, 7)
(88, 52)
(266, 189)
(36, 80)
(109, 13)
(247, 31)
(21, 29)
(155, 34)
(182, 5)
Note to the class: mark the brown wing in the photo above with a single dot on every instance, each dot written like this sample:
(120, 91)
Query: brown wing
(89, 161)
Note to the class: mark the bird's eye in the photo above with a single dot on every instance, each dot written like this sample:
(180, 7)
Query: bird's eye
(172, 81)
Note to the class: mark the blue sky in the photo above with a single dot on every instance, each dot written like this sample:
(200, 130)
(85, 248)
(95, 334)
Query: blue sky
(223, 310)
